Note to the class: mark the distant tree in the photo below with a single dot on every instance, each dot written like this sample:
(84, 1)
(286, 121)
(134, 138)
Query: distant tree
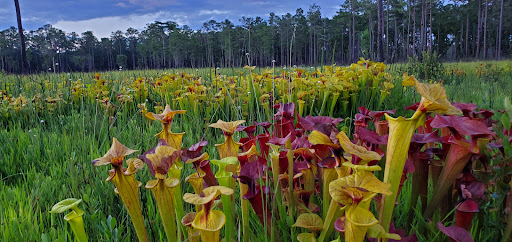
(380, 31)
(23, 60)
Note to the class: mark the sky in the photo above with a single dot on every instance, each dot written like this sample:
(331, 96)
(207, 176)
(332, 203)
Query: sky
(106, 16)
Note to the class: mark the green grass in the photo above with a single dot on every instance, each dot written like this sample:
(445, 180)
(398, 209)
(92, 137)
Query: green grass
(46, 157)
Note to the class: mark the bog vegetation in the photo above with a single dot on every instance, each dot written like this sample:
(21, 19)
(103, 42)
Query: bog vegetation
(417, 151)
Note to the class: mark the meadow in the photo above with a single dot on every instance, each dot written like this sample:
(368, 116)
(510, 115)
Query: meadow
(54, 124)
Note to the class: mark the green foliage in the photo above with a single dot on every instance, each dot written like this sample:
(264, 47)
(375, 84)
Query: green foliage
(426, 67)
(121, 60)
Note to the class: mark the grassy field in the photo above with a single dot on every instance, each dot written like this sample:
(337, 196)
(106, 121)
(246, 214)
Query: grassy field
(46, 151)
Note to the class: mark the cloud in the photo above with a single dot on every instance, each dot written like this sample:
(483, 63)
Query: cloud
(147, 4)
(121, 4)
(104, 26)
(32, 19)
(213, 12)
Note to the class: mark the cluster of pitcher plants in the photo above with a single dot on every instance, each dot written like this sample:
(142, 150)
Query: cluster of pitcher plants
(245, 92)
(306, 175)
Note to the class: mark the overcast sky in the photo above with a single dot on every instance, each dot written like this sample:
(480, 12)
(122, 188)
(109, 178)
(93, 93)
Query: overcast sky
(105, 16)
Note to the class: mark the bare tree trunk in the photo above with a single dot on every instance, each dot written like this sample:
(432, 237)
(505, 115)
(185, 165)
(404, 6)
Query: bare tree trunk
(387, 29)
(467, 32)
(395, 47)
(354, 53)
(485, 30)
(23, 61)
(350, 48)
(370, 26)
(461, 39)
(414, 28)
(422, 26)
(431, 38)
(380, 31)
(407, 46)
(403, 38)
(479, 32)
(500, 29)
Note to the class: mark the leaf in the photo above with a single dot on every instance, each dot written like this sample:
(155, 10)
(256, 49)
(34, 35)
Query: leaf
(65, 205)
(309, 221)
(360, 217)
(462, 125)
(209, 194)
(44, 238)
(359, 151)
(115, 155)
(213, 222)
(434, 99)
(227, 127)
(505, 120)
(508, 105)
(111, 222)
(377, 231)
(408, 81)
(318, 138)
(160, 159)
(222, 163)
(455, 233)
(357, 187)
(306, 237)
(166, 116)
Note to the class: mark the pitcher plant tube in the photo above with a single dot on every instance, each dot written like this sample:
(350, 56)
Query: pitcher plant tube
(433, 99)
(173, 140)
(74, 218)
(126, 185)
(159, 160)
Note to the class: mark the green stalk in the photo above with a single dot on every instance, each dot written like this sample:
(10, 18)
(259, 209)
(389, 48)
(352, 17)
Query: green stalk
(324, 102)
(333, 103)
(334, 213)
(178, 202)
(227, 206)
(291, 202)
(328, 175)
(508, 229)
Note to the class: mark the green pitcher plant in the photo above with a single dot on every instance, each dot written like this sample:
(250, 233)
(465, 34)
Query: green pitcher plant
(225, 179)
(74, 218)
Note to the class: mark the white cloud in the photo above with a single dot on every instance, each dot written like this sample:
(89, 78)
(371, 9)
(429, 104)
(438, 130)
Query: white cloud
(104, 26)
(213, 12)
(121, 4)
(147, 4)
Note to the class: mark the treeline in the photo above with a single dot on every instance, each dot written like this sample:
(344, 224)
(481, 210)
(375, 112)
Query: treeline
(459, 29)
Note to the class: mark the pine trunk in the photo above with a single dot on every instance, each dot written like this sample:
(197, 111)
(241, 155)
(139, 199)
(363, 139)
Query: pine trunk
(23, 60)
(380, 31)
